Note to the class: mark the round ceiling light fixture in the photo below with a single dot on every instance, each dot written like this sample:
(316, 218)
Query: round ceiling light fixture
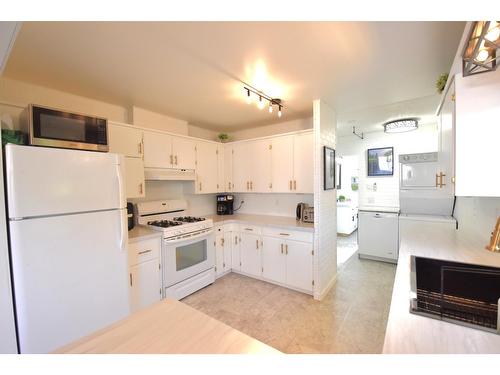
(401, 125)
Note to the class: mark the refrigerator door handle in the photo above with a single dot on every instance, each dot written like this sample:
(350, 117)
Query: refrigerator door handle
(119, 175)
(123, 230)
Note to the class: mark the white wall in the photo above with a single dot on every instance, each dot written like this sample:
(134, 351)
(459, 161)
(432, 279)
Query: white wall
(424, 139)
(477, 216)
(264, 131)
(271, 204)
(350, 169)
(325, 205)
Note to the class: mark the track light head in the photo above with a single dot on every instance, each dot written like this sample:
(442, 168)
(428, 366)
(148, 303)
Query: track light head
(260, 104)
(249, 98)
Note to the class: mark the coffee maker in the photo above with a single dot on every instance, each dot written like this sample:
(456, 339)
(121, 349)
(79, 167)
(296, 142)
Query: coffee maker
(225, 204)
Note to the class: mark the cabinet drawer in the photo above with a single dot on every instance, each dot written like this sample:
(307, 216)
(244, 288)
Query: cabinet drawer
(248, 228)
(288, 234)
(231, 227)
(142, 251)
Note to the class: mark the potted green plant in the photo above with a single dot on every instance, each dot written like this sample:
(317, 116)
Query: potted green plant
(223, 137)
(341, 198)
(441, 82)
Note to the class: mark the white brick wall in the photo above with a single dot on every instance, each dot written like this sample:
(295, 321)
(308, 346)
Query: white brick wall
(325, 205)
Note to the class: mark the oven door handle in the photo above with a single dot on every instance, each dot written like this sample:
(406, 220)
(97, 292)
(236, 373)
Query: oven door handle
(204, 233)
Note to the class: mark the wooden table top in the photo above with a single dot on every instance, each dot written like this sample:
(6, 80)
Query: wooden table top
(168, 327)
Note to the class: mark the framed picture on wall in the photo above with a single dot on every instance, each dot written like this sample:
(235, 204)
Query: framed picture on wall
(328, 168)
(380, 161)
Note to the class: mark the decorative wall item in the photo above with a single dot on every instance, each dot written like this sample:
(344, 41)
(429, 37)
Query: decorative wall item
(338, 175)
(328, 168)
(380, 161)
(354, 183)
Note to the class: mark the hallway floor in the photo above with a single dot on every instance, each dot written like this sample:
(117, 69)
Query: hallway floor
(351, 319)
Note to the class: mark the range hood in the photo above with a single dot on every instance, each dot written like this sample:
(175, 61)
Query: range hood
(166, 174)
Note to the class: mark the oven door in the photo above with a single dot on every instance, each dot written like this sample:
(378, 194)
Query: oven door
(185, 258)
(54, 128)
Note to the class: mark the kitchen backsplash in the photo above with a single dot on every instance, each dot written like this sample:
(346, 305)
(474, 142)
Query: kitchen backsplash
(270, 204)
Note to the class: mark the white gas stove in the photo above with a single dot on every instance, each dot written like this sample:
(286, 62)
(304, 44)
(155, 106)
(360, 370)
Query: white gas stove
(188, 257)
(169, 217)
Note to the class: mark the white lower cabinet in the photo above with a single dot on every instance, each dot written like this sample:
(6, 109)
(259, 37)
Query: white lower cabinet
(223, 256)
(273, 259)
(144, 273)
(235, 251)
(250, 249)
(299, 265)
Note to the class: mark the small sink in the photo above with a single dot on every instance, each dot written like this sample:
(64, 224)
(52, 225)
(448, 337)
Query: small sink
(460, 293)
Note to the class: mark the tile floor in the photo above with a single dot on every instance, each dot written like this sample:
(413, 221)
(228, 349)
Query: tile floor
(346, 247)
(351, 319)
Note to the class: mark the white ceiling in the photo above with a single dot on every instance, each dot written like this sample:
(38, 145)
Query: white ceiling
(194, 70)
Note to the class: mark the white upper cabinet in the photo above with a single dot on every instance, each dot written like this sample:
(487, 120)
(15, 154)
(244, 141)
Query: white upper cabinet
(228, 168)
(125, 140)
(157, 150)
(241, 167)
(134, 178)
(206, 168)
(259, 158)
(282, 164)
(303, 165)
(477, 134)
(183, 153)
(220, 169)
(446, 142)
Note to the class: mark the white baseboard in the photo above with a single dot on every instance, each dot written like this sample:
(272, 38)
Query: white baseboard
(321, 294)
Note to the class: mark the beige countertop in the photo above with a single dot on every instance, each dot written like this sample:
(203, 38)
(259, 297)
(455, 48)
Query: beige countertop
(139, 233)
(263, 220)
(410, 333)
(168, 327)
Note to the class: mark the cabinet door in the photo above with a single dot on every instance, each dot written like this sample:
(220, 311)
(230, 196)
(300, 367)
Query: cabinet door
(219, 254)
(206, 168)
(303, 166)
(282, 164)
(228, 244)
(299, 265)
(241, 167)
(446, 141)
(157, 150)
(184, 154)
(144, 282)
(273, 259)
(125, 140)
(228, 168)
(134, 178)
(259, 159)
(250, 254)
(220, 169)
(235, 251)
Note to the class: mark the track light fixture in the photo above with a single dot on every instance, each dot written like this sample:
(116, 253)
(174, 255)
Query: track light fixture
(262, 98)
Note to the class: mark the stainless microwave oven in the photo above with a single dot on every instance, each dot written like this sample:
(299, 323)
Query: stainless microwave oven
(56, 128)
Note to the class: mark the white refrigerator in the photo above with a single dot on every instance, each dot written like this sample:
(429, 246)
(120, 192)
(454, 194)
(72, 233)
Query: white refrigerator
(68, 235)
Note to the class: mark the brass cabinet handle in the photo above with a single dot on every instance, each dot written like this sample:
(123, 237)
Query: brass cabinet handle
(284, 234)
(239, 239)
(286, 249)
(229, 186)
(235, 240)
(140, 148)
(130, 279)
(200, 186)
(141, 189)
(251, 185)
(281, 248)
(441, 175)
(145, 252)
(257, 244)
(222, 242)
(294, 184)
(175, 159)
(248, 186)
(171, 159)
(290, 184)
(437, 178)
(270, 185)
(248, 229)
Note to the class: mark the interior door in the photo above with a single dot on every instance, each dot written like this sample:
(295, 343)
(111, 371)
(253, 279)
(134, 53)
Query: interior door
(206, 167)
(157, 150)
(274, 259)
(250, 254)
(125, 140)
(144, 281)
(419, 175)
(299, 265)
(282, 164)
(184, 154)
(303, 166)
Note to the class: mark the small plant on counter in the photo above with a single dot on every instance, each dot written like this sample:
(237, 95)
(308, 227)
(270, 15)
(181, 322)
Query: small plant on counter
(341, 198)
(441, 82)
(223, 137)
